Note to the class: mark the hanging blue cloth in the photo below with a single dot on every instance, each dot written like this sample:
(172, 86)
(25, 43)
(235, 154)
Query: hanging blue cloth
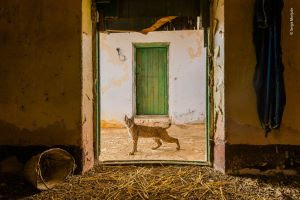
(268, 78)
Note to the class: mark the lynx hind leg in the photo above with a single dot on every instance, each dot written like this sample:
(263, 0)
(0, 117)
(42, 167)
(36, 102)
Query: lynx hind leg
(166, 138)
(158, 142)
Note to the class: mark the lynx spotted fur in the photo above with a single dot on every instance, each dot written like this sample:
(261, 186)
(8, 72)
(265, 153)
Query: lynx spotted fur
(157, 133)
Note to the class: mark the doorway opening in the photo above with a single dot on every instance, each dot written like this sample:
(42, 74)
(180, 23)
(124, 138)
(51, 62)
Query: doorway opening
(159, 81)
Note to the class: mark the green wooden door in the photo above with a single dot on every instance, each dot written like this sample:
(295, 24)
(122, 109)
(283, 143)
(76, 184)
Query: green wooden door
(151, 81)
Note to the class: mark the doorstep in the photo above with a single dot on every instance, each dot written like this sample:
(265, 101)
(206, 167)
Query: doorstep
(152, 120)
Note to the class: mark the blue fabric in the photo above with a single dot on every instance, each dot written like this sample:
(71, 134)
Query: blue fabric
(268, 78)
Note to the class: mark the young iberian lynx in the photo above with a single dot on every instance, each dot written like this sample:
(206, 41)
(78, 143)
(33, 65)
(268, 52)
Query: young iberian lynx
(157, 133)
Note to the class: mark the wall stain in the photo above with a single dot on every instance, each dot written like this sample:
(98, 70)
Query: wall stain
(194, 53)
(115, 83)
(111, 124)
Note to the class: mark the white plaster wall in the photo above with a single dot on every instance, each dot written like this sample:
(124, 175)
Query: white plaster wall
(187, 74)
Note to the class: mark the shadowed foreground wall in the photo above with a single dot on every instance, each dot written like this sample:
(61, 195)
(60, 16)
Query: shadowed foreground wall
(242, 127)
(41, 75)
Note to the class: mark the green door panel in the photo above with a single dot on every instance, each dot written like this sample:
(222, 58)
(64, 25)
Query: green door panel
(152, 81)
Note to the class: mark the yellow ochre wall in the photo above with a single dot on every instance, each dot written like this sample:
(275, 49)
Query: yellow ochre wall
(242, 125)
(40, 72)
(46, 75)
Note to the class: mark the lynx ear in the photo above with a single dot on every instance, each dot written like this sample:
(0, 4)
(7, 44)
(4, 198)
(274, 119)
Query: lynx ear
(126, 118)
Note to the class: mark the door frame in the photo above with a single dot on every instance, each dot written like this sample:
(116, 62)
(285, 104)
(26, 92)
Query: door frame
(209, 109)
(148, 45)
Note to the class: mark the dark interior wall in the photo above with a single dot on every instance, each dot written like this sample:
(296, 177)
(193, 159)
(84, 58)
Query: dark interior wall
(136, 15)
(40, 72)
(242, 124)
(149, 8)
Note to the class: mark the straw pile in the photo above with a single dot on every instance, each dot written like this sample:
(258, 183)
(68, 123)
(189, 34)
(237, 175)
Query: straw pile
(170, 182)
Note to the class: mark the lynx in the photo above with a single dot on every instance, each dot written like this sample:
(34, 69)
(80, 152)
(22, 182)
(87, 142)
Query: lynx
(157, 133)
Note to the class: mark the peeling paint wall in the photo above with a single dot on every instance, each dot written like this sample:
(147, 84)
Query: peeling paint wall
(242, 124)
(187, 74)
(87, 86)
(40, 72)
(217, 56)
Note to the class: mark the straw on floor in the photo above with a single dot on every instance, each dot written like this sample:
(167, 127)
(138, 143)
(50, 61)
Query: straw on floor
(171, 182)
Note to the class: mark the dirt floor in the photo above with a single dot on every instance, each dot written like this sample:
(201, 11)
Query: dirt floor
(157, 182)
(116, 145)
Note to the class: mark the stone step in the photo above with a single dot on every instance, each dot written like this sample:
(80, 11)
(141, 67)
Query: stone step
(152, 120)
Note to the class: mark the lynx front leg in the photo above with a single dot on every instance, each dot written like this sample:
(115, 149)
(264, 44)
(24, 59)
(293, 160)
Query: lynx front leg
(134, 146)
